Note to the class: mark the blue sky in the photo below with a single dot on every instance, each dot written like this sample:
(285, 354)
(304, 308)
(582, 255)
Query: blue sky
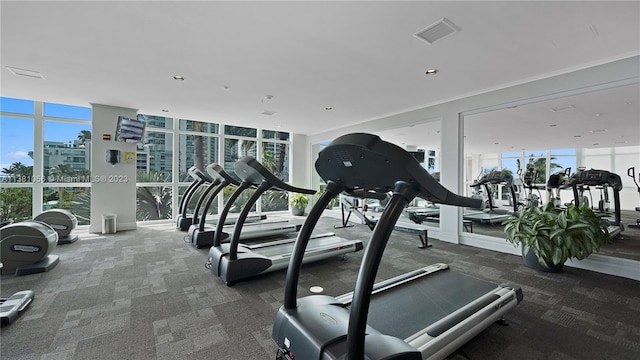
(16, 133)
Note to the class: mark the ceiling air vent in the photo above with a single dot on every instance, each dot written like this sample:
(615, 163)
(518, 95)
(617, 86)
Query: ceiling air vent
(437, 31)
(25, 72)
(268, 112)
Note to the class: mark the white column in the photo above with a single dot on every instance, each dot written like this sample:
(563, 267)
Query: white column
(113, 188)
(451, 176)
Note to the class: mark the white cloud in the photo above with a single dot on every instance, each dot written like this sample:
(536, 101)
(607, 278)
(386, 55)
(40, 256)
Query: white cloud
(20, 154)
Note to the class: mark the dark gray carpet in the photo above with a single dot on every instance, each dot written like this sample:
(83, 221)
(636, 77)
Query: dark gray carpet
(145, 294)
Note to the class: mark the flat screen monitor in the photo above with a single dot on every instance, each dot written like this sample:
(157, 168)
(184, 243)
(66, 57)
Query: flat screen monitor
(129, 130)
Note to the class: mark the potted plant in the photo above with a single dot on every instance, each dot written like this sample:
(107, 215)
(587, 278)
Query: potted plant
(550, 235)
(298, 203)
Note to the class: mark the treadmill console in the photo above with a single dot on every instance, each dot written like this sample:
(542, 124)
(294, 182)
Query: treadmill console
(596, 177)
(496, 177)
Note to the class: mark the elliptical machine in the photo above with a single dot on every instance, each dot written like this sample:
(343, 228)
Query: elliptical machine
(528, 183)
(62, 221)
(25, 247)
(632, 172)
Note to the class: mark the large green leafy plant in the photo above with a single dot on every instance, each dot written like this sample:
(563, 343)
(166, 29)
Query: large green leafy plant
(555, 234)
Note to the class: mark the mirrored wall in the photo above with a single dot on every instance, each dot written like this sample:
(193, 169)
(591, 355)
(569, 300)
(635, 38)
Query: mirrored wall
(597, 128)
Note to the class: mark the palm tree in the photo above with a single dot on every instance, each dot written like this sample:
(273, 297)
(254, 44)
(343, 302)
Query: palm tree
(198, 160)
(540, 165)
(18, 169)
(247, 147)
(61, 172)
(152, 202)
(80, 206)
(84, 135)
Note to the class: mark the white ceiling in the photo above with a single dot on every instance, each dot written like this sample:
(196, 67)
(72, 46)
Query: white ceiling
(359, 58)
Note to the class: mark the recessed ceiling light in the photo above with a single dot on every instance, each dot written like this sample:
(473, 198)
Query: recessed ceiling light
(599, 114)
(596, 144)
(268, 112)
(431, 72)
(165, 110)
(328, 108)
(553, 125)
(178, 77)
(496, 143)
(577, 136)
(599, 130)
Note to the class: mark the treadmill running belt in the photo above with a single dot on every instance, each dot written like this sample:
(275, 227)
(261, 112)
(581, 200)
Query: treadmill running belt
(411, 307)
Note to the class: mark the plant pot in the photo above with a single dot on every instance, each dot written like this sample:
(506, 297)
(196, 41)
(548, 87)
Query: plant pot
(296, 211)
(531, 260)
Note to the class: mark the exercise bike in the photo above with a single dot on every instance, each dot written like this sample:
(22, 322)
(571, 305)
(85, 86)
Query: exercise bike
(632, 172)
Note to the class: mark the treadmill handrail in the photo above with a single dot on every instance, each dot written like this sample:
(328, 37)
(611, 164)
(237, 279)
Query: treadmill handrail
(199, 174)
(356, 331)
(250, 169)
(252, 172)
(218, 172)
(196, 211)
(297, 254)
(237, 229)
(217, 237)
(186, 196)
(223, 179)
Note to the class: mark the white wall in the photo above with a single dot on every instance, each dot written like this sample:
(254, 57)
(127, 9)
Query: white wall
(113, 190)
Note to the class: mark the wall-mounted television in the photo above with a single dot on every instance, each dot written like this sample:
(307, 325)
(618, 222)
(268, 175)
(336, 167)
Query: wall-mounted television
(129, 130)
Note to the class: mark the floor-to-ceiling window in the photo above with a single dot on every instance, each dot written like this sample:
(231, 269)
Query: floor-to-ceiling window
(45, 161)
(275, 157)
(198, 146)
(46, 152)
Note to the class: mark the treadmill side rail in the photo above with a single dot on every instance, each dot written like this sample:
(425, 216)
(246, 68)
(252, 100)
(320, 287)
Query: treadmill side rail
(445, 339)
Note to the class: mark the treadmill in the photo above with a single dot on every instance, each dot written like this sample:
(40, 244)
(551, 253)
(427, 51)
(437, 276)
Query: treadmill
(253, 226)
(425, 314)
(233, 261)
(184, 220)
(491, 215)
(594, 177)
